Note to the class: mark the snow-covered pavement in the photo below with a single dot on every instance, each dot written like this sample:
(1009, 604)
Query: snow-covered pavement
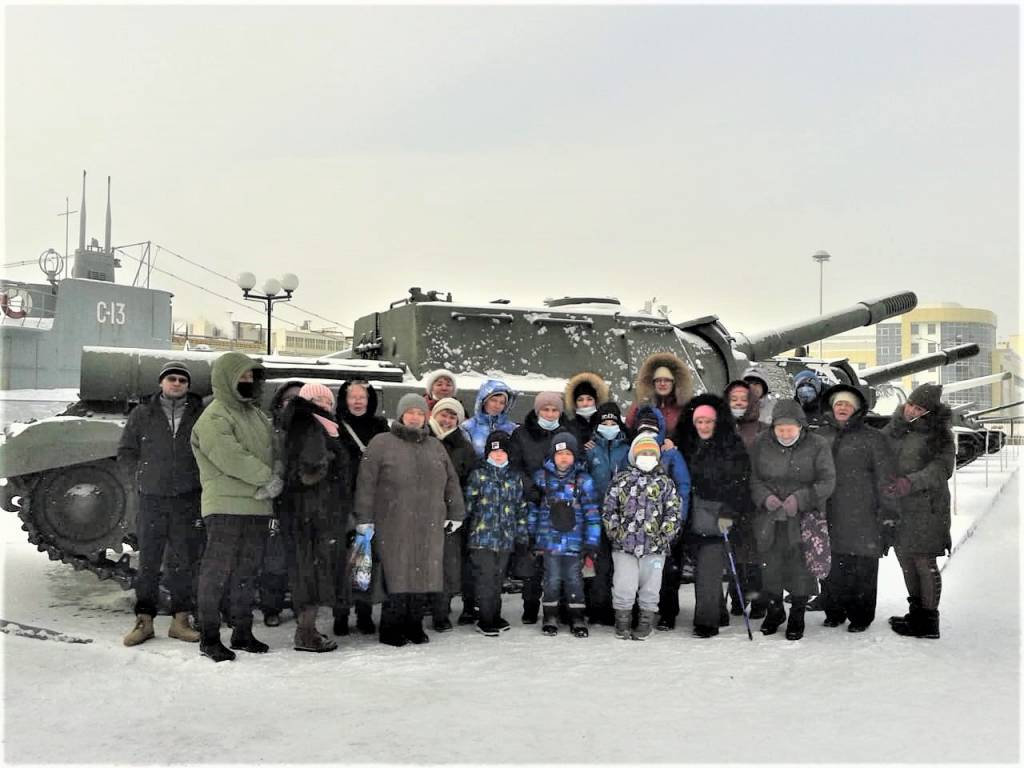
(832, 697)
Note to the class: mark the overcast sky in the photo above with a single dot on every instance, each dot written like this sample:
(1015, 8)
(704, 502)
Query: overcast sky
(696, 154)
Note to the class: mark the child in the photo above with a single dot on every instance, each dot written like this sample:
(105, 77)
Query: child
(496, 519)
(642, 516)
(565, 525)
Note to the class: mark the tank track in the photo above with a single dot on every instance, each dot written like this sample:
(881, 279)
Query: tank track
(119, 570)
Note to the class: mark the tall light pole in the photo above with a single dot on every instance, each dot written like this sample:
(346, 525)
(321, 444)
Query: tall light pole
(271, 293)
(821, 257)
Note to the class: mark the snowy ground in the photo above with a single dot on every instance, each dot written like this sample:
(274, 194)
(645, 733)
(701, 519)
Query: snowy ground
(833, 697)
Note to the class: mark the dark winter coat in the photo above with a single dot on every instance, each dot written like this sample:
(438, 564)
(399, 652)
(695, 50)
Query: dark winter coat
(805, 470)
(749, 425)
(580, 426)
(671, 406)
(925, 455)
(460, 451)
(496, 514)
(366, 427)
(672, 462)
(642, 512)
(719, 467)
(480, 425)
(864, 465)
(605, 460)
(575, 488)
(158, 462)
(407, 487)
(531, 445)
(233, 444)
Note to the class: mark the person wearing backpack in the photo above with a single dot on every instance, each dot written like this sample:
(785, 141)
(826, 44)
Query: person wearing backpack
(565, 525)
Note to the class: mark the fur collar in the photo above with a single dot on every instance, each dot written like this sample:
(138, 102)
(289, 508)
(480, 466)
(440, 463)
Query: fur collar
(644, 386)
(599, 385)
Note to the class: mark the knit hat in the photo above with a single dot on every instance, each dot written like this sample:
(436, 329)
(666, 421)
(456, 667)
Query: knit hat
(663, 372)
(450, 404)
(643, 443)
(648, 419)
(846, 396)
(927, 396)
(312, 390)
(497, 441)
(563, 441)
(177, 367)
(438, 374)
(410, 400)
(547, 398)
(605, 411)
(584, 388)
(704, 412)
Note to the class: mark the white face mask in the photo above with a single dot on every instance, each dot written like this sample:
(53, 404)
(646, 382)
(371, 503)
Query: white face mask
(608, 431)
(787, 443)
(494, 463)
(547, 424)
(587, 411)
(737, 412)
(646, 463)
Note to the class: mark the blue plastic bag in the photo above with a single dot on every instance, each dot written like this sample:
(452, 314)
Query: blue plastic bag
(361, 563)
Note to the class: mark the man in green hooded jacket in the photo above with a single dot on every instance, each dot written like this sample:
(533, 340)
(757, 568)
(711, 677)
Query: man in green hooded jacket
(233, 446)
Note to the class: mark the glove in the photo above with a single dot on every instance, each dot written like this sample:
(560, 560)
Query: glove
(887, 535)
(275, 526)
(350, 538)
(586, 552)
(898, 488)
(271, 490)
(772, 503)
(724, 524)
(365, 529)
(791, 506)
(533, 495)
(278, 468)
(451, 526)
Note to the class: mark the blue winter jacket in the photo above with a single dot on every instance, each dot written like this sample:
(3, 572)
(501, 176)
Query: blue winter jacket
(576, 488)
(605, 459)
(495, 508)
(672, 461)
(480, 425)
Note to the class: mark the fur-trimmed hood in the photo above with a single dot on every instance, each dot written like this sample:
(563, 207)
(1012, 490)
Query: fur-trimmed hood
(599, 385)
(644, 386)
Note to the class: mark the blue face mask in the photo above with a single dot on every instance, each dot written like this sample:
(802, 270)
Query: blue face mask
(608, 431)
(547, 424)
(806, 394)
(493, 463)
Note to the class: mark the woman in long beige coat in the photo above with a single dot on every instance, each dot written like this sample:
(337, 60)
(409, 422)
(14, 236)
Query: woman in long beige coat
(408, 495)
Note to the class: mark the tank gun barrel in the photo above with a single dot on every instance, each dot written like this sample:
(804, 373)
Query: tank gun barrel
(919, 363)
(995, 408)
(761, 346)
(980, 381)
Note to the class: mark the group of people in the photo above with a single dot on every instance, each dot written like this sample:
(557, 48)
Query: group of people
(593, 512)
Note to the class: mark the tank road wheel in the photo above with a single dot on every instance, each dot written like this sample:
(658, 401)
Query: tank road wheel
(81, 509)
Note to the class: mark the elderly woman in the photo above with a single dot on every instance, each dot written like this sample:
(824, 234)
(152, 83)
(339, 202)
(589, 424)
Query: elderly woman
(860, 516)
(407, 498)
(792, 476)
(316, 508)
(923, 443)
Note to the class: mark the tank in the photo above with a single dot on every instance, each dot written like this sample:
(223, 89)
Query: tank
(61, 476)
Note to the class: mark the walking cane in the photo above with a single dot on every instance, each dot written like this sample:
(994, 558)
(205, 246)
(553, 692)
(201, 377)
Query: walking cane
(736, 578)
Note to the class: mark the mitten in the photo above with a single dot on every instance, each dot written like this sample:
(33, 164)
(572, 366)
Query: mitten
(791, 506)
(272, 489)
(724, 524)
(451, 526)
(772, 503)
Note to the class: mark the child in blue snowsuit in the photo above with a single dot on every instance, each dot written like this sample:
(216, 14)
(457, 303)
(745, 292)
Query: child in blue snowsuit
(494, 402)
(564, 526)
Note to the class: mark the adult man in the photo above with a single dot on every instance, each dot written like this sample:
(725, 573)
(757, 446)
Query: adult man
(233, 446)
(158, 461)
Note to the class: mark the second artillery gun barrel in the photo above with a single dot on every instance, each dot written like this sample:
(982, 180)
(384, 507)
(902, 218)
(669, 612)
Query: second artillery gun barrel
(913, 365)
(761, 346)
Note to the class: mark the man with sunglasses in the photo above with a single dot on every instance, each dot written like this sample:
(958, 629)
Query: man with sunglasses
(156, 454)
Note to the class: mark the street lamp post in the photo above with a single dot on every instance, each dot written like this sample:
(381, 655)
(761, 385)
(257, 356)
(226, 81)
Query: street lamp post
(821, 257)
(272, 288)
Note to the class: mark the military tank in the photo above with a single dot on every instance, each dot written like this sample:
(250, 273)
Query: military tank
(61, 477)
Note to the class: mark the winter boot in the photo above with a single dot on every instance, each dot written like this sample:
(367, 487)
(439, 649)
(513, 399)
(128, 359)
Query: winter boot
(340, 628)
(391, 634)
(181, 630)
(211, 646)
(774, 616)
(550, 625)
(577, 624)
(758, 608)
(141, 632)
(364, 618)
(924, 623)
(816, 603)
(468, 616)
(414, 632)
(644, 626)
(907, 618)
(502, 625)
(242, 639)
(622, 622)
(833, 619)
(487, 630)
(272, 619)
(795, 625)
(704, 632)
(443, 624)
(666, 623)
(530, 610)
(306, 636)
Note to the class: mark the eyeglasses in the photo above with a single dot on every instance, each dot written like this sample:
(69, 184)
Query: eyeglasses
(177, 379)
